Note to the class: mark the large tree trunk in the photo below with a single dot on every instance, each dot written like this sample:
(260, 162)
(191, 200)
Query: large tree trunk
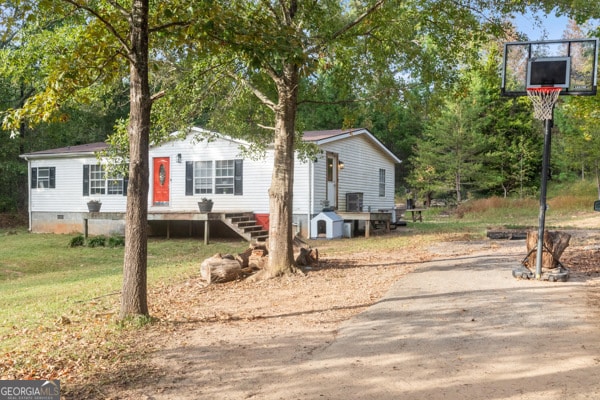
(281, 254)
(133, 299)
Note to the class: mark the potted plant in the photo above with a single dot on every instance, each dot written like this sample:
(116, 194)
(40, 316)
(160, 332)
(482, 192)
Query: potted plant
(94, 205)
(205, 205)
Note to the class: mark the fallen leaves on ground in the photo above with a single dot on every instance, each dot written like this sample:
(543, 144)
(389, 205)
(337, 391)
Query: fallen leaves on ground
(96, 358)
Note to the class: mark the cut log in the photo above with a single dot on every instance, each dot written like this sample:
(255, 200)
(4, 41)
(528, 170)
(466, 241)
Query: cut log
(244, 258)
(509, 234)
(224, 268)
(307, 257)
(555, 244)
(219, 269)
(257, 259)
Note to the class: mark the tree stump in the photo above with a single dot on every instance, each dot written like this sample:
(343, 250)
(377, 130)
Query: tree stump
(555, 244)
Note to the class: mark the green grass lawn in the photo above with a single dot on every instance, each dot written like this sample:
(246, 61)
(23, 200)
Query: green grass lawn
(43, 279)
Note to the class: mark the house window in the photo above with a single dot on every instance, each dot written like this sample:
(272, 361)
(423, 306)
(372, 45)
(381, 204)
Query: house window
(381, 182)
(114, 186)
(43, 178)
(330, 167)
(203, 177)
(218, 177)
(224, 176)
(96, 182)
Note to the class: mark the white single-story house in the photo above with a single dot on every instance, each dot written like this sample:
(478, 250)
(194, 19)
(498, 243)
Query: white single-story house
(354, 173)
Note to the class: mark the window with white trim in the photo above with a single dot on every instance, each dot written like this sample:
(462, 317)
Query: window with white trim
(218, 177)
(96, 182)
(203, 177)
(43, 177)
(224, 176)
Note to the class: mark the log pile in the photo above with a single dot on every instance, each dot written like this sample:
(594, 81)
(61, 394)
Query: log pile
(555, 244)
(225, 268)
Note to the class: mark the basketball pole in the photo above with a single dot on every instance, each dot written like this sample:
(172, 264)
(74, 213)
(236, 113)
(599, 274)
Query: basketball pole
(543, 190)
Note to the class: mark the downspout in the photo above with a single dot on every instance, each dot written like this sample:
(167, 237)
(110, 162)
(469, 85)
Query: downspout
(29, 212)
(310, 196)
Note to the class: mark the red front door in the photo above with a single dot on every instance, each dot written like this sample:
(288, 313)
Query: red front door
(162, 177)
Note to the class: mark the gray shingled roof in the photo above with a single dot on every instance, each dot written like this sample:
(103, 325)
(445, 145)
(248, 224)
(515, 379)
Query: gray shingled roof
(79, 149)
(313, 136)
(92, 148)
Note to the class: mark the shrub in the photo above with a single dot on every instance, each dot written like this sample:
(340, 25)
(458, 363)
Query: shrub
(97, 241)
(116, 241)
(77, 241)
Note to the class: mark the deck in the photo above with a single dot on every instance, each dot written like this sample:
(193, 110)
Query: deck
(246, 230)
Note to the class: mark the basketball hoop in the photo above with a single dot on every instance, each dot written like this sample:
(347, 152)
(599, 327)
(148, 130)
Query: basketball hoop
(543, 99)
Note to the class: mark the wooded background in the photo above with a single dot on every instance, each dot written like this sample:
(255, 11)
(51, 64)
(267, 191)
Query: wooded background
(456, 136)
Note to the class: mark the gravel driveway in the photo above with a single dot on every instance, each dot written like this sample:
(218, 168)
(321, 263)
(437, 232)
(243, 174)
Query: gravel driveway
(460, 328)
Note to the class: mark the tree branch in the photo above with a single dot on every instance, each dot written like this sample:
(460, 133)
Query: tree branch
(358, 19)
(169, 25)
(270, 128)
(260, 95)
(106, 24)
(157, 96)
(120, 8)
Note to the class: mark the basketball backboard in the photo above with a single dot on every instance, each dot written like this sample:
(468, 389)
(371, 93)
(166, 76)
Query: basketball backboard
(570, 64)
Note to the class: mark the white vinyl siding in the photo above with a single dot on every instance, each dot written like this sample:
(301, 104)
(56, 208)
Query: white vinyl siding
(68, 193)
(361, 157)
(250, 188)
(361, 174)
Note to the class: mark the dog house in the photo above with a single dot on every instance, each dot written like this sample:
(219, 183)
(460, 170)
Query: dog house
(326, 224)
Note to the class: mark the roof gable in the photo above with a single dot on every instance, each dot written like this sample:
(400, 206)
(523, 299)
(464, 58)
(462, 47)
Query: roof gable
(328, 136)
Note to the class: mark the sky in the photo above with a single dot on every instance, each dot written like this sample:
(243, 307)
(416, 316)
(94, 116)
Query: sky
(548, 27)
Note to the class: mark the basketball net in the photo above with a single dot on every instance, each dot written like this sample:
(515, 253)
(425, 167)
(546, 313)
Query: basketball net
(543, 99)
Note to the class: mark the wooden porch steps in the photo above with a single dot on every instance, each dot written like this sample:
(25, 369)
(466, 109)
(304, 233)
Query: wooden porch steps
(245, 225)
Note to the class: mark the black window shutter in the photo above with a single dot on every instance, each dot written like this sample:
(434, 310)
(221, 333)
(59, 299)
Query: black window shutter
(189, 178)
(238, 182)
(33, 178)
(125, 182)
(52, 177)
(86, 180)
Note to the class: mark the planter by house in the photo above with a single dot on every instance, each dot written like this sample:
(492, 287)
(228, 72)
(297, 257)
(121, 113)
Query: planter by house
(94, 206)
(205, 205)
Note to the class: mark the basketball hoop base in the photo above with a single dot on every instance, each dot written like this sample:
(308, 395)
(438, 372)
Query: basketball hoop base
(559, 274)
(543, 99)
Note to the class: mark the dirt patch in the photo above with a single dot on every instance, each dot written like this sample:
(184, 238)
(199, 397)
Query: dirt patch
(13, 220)
(234, 340)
